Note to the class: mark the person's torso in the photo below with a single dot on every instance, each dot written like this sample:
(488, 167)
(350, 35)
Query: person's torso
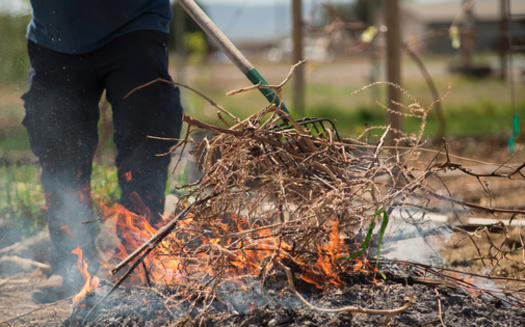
(81, 26)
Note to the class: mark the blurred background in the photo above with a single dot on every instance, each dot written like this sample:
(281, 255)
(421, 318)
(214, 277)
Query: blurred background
(469, 54)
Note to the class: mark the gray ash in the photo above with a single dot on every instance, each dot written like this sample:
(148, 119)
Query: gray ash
(271, 307)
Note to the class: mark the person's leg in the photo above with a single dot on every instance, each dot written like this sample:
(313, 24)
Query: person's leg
(130, 61)
(61, 120)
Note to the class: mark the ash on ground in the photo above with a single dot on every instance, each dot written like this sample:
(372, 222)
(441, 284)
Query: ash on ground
(434, 306)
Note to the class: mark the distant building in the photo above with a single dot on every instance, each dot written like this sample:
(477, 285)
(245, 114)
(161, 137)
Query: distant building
(428, 24)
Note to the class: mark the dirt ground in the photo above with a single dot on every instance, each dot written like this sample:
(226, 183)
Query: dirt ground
(472, 247)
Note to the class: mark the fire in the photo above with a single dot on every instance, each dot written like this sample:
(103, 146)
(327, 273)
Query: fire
(91, 283)
(327, 260)
(190, 250)
(358, 265)
(232, 243)
(467, 283)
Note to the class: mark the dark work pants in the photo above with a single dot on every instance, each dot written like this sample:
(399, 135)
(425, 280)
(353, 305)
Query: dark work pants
(61, 118)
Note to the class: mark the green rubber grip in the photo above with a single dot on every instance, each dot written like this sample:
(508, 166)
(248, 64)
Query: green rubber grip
(272, 97)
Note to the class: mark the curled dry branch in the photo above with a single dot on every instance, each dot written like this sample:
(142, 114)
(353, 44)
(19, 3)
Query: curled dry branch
(388, 313)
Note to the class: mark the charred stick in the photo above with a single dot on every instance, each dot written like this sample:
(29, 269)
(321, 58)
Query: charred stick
(358, 309)
(438, 296)
(146, 273)
(153, 241)
(434, 282)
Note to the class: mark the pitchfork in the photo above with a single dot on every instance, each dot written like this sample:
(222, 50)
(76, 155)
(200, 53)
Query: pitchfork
(315, 126)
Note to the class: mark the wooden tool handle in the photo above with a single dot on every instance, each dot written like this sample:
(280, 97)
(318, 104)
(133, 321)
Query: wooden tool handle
(218, 37)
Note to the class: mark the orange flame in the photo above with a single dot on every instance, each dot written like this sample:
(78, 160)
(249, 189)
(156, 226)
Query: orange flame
(133, 231)
(327, 260)
(90, 283)
(176, 257)
(358, 265)
(191, 249)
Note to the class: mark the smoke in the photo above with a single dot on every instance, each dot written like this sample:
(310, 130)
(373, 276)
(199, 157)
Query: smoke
(252, 294)
(26, 255)
(416, 236)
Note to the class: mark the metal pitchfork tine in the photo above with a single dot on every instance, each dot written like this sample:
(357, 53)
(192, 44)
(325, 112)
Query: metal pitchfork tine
(315, 126)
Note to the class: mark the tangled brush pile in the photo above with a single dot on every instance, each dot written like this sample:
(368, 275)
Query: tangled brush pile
(299, 179)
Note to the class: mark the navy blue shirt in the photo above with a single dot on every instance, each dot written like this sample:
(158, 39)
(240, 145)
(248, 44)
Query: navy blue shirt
(81, 26)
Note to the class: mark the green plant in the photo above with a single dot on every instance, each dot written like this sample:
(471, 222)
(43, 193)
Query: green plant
(14, 140)
(22, 202)
(366, 243)
(196, 45)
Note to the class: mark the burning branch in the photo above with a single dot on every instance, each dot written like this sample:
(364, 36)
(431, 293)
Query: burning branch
(153, 241)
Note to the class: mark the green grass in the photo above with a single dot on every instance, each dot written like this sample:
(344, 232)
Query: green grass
(14, 140)
(471, 108)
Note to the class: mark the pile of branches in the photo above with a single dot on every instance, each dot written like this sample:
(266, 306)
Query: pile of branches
(277, 193)
(298, 177)
(299, 181)
(313, 195)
